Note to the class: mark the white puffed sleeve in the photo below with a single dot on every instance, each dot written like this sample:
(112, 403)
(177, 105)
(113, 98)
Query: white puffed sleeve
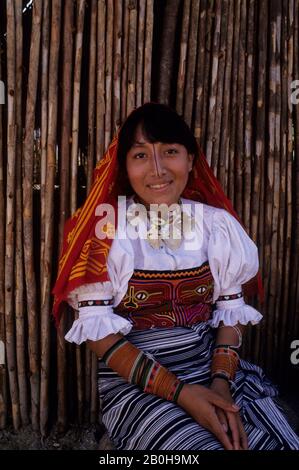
(233, 260)
(95, 301)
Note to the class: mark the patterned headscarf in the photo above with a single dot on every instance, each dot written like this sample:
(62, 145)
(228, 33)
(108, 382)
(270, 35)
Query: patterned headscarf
(84, 256)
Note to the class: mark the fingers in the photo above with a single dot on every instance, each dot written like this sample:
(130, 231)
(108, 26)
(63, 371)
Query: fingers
(217, 429)
(243, 435)
(224, 404)
(222, 419)
(233, 422)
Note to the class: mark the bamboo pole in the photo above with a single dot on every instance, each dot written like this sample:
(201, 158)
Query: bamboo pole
(213, 91)
(101, 105)
(31, 290)
(76, 102)
(278, 193)
(239, 156)
(92, 94)
(51, 166)
(10, 215)
(191, 62)
(167, 46)
(271, 195)
(3, 370)
(124, 67)
(44, 125)
(64, 177)
(256, 205)
(204, 110)
(109, 74)
(248, 140)
(220, 83)
(223, 161)
(94, 389)
(117, 33)
(234, 99)
(148, 50)
(19, 273)
(282, 282)
(90, 164)
(131, 85)
(45, 319)
(74, 166)
(292, 329)
(257, 196)
(290, 147)
(183, 57)
(140, 52)
(200, 70)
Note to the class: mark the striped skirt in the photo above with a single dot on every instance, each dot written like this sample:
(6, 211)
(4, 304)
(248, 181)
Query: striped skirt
(139, 421)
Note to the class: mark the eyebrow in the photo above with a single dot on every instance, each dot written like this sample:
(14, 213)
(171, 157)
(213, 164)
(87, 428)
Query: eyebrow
(137, 144)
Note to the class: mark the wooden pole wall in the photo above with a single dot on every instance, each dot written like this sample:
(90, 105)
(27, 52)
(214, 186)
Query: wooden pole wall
(227, 68)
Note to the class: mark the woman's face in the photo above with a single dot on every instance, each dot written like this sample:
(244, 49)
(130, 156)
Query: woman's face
(158, 172)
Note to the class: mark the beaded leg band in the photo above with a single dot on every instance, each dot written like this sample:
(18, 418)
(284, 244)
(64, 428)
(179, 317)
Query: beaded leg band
(137, 368)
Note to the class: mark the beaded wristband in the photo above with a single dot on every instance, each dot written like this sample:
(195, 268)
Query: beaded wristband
(225, 362)
(219, 375)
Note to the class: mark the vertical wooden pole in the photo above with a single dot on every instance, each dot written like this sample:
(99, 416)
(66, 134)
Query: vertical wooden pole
(131, 93)
(28, 220)
(223, 161)
(19, 272)
(74, 165)
(64, 182)
(169, 29)
(51, 171)
(116, 89)
(140, 52)
(217, 136)
(88, 378)
(10, 215)
(183, 58)
(191, 62)
(149, 26)
(3, 370)
(101, 105)
(109, 74)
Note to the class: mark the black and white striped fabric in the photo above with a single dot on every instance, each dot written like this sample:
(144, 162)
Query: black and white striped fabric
(139, 421)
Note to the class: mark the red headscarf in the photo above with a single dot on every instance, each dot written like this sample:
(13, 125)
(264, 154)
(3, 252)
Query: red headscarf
(84, 256)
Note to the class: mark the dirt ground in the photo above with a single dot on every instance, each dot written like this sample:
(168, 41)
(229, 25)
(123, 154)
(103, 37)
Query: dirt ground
(75, 438)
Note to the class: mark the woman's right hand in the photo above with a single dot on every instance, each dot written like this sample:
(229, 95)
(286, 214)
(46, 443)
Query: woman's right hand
(200, 402)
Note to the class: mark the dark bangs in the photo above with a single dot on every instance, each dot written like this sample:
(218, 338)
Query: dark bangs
(159, 123)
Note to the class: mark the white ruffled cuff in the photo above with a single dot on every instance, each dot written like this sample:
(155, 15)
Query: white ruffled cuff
(95, 326)
(231, 316)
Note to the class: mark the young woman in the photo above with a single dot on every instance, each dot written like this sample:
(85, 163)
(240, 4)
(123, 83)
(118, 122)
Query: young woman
(161, 302)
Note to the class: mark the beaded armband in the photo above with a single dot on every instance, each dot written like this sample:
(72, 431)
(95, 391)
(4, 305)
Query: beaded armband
(224, 362)
(137, 368)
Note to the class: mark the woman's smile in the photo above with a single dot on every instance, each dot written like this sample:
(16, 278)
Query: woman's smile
(160, 187)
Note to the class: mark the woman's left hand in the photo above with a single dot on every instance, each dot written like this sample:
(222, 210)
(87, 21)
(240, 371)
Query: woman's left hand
(231, 422)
